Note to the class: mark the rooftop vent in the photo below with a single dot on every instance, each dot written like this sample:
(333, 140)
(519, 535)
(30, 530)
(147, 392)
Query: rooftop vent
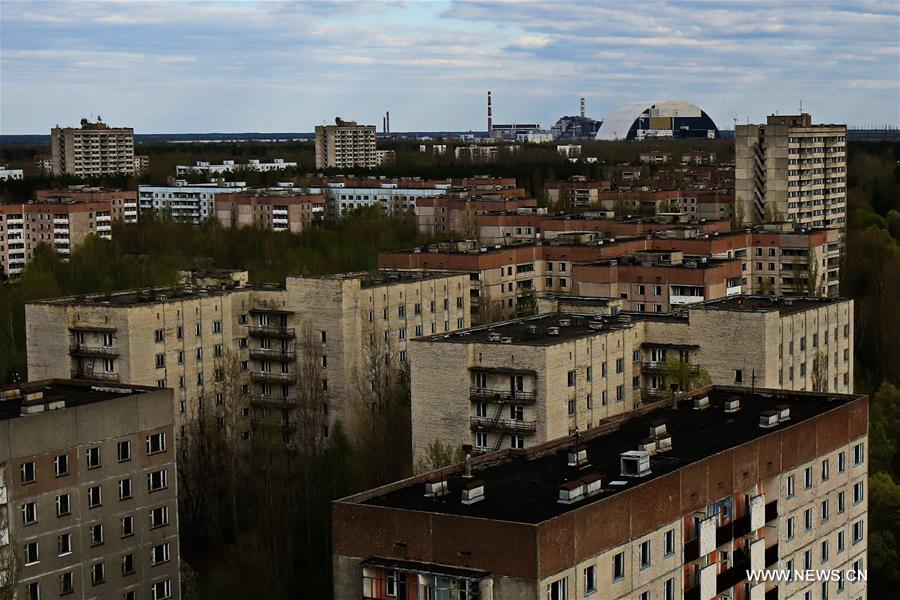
(596, 325)
(506, 340)
(553, 331)
(784, 412)
(531, 329)
(436, 486)
(571, 492)
(634, 463)
(732, 404)
(473, 492)
(768, 419)
(701, 403)
(577, 456)
(592, 484)
(664, 442)
(565, 322)
(493, 336)
(648, 445)
(657, 428)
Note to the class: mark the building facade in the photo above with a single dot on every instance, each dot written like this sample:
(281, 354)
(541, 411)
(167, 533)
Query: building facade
(7, 174)
(277, 211)
(191, 203)
(89, 490)
(230, 166)
(790, 169)
(345, 145)
(678, 501)
(92, 150)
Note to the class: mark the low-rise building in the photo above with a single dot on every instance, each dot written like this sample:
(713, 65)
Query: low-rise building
(88, 490)
(574, 193)
(141, 163)
(655, 157)
(7, 174)
(275, 210)
(191, 203)
(230, 166)
(682, 500)
(44, 163)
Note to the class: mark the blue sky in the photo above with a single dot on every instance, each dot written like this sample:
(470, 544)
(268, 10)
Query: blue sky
(184, 66)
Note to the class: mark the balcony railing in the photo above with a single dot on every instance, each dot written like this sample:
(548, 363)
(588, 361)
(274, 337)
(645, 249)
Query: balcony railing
(661, 366)
(489, 395)
(101, 351)
(272, 331)
(511, 425)
(276, 354)
(95, 376)
(270, 377)
(274, 401)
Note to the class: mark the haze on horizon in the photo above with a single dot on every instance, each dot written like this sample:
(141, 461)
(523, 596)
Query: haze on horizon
(282, 66)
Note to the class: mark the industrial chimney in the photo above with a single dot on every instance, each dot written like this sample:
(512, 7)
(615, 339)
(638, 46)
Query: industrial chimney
(387, 120)
(490, 120)
(582, 107)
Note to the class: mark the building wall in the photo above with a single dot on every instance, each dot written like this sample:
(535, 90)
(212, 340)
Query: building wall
(345, 146)
(92, 151)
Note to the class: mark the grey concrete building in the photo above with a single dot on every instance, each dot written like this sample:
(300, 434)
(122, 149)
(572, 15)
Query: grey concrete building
(346, 144)
(92, 150)
(88, 490)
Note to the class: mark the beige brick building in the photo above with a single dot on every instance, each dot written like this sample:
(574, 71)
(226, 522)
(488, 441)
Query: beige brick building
(277, 211)
(88, 490)
(791, 169)
(94, 149)
(346, 144)
(520, 383)
(679, 501)
(190, 338)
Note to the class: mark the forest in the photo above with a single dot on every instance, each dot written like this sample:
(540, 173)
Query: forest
(288, 551)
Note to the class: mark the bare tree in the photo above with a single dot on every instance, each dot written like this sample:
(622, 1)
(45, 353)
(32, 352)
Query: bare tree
(489, 309)
(10, 561)
(819, 372)
(438, 454)
(312, 397)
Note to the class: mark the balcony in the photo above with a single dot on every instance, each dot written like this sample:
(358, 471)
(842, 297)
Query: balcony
(655, 366)
(275, 331)
(95, 376)
(96, 351)
(509, 425)
(269, 377)
(477, 394)
(289, 402)
(276, 354)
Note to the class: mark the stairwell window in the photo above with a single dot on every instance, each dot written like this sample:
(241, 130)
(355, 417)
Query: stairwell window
(558, 590)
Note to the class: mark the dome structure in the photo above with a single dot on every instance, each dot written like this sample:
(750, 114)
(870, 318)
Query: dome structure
(666, 119)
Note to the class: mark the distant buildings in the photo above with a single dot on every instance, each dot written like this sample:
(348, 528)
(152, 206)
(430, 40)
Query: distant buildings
(192, 203)
(141, 163)
(513, 131)
(88, 490)
(683, 500)
(790, 169)
(667, 119)
(575, 128)
(93, 150)
(62, 219)
(230, 166)
(44, 163)
(275, 210)
(345, 145)
(655, 157)
(385, 157)
(8, 174)
(574, 193)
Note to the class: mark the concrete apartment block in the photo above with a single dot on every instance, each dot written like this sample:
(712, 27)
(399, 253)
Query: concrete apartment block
(93, 149)
(89, 489)
(345, 144)
(678, 501)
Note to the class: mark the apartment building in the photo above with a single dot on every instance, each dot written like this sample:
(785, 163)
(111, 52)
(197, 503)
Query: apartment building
(43, 163)
(385, 157)
(7, 174)
(88, 486)
(230, 166)
(442, 215)
(678, 501)
(93, 150)
(574, 193)
(345, 145)
(790, 169)
(62, 219)
(141, 163)
(274, 210)
(191, 203)
(519, 383)
(190, 338)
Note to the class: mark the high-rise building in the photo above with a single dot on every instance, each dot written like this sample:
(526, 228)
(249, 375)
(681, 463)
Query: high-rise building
(681, 501)
(94, 149)
(790, 169)
(88, 490)
(345, 145)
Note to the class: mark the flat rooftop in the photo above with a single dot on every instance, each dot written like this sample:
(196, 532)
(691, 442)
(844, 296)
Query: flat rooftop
(522, 486)
(389, 276)
(542, 330)
(16, 399)
(786, 305)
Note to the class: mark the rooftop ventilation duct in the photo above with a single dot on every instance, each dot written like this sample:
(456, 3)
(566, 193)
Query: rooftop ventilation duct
(768, 419)
(435, 487)
(784, 412)
(596, 325)
(506, 340)
(701, 403)
(577, 456)
(592, 484)
(553, 331)
(634, 463)
(493, 336)
(565, 322)
(571, 492)
(648, 445)
(473, 492)
(664, 443)
(657, 428)
(732, 404)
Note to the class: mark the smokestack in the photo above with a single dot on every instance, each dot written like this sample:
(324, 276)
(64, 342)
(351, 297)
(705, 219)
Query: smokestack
(582, 106)
(387, 119)
(490, 120)
(384, 124)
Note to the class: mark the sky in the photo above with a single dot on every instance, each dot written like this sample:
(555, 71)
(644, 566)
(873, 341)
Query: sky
(182, 66)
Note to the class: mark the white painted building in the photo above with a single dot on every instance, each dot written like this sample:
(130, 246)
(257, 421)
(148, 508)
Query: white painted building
(389, 196)
(194, 203)
(229, 166)
(7, 174)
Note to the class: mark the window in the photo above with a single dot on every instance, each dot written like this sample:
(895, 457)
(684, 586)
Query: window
(571, 408)
(645, 595)
(517, 441)
(98, 573)
(859, 454)
(842, 462)
(645, 554)
(62, 505)
(34, 591)
(619, 566)
(31, 553)
(159, 517)
(620, 393)
(127, 526)
(790, 528)
(93, 457)
(590, 580)
(161, 590)
(95, 497)
(61, 465)
(156, 443)
(160, 361)
(824, 511)
(124, 489)
(96, 534)
(159, 554)
(840, 542)
(858, 532)
(807, 560)
(620, 365)
(807, 478)
(217, 326)
(824, 551)
(128, 564)
(199, 329)
(825, 468)
(790, 486)
(159, 335)
(28, 472)
(570, 378)
(64, 544)
(842, 504)
(29, 513)
(669, 590)
(66, 583)
(739, 376)
(858, 492)
(669, 543)
(481, 439)
(807, 519)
